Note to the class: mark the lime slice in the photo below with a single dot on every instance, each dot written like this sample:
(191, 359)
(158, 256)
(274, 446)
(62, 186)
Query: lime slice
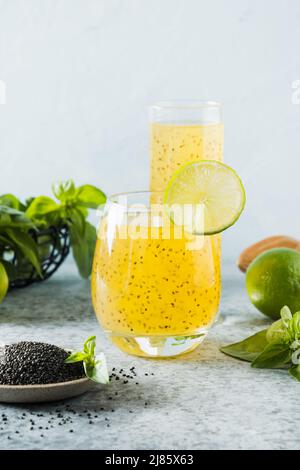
(213, 187)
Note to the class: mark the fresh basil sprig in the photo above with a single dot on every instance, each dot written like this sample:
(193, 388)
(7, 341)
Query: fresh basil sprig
(71, 208)
(275, 347)
(94, 364)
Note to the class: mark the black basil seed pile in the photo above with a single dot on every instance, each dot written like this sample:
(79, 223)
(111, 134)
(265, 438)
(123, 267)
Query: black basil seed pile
(28, 363)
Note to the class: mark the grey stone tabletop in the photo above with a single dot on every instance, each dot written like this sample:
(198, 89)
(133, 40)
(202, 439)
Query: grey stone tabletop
(203, 400)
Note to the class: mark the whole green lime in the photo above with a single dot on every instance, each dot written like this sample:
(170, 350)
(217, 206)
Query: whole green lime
(273, 280)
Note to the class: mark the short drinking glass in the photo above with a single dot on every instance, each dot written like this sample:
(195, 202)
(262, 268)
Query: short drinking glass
(155, 287)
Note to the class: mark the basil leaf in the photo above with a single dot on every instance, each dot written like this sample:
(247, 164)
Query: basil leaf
(82, 210)
(78, 223)
(94, 365)
(277, 332)
(286, 315)
(10, 200)
(249, 348)
(75, 357)
(295, 324)
(5, 240)
(3, 282)
(5, 219)
(90, 196)
(89, 345)
(41, 206)
(27, 245)
(274, 355)
(98, 371)
(294, 371)
(83, 247)
(10, 217)
(10, 210)
(64, 191)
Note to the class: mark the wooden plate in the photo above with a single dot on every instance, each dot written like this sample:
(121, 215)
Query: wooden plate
(44, 393)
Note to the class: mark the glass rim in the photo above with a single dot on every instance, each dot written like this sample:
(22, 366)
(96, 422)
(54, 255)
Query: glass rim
(132, 193)
(132, 205)
(186, 104)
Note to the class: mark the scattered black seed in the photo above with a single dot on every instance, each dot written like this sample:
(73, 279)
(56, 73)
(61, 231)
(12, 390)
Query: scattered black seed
(29, 362)
(64, 415)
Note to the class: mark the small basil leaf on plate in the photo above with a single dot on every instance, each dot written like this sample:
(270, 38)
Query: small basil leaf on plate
(75, 357)
(98, 371)
(274, 355)
(89, 345)
(95, 366)
(249, 348)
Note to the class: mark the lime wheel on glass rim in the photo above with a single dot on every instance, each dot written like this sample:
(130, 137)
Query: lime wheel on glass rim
(211, 185)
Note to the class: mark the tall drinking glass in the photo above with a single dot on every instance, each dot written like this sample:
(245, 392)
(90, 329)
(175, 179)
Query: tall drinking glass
(182, 132)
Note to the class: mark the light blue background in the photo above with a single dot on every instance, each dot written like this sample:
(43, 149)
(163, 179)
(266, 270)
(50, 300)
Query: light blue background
(80, 74)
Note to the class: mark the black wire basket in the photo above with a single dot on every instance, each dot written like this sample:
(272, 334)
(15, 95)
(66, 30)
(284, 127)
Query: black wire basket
(53, 246)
